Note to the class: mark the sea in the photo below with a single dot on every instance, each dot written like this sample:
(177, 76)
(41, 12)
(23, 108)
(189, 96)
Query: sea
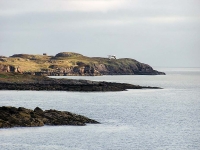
(141, 119)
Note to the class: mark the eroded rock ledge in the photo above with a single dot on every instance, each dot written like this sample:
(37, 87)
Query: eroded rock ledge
(16, 81)
(72, 85)
(22, 117)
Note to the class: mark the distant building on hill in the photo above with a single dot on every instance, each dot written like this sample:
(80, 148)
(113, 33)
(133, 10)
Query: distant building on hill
(45, 54)
(112, 57)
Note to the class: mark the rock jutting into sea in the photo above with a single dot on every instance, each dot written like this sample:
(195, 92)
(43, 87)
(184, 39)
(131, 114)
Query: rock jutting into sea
(22, 117)
(74, 64)
(16, 81)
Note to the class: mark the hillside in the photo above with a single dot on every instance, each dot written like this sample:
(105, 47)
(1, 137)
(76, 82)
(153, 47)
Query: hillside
(68, 63)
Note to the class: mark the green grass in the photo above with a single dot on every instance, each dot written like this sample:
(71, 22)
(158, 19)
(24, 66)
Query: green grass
(3, 76)
(19, 78)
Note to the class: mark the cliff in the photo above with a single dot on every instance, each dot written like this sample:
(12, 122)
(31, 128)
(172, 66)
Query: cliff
(68, 63)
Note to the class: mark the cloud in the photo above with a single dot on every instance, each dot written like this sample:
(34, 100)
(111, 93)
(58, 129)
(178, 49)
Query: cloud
(137, 28)
(167, 19)
(13, 7)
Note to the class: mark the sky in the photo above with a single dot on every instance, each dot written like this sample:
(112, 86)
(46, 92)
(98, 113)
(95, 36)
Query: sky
(161, 33)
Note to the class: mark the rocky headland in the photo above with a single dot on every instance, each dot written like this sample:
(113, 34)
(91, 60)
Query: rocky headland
(73, 64)
(22, 117)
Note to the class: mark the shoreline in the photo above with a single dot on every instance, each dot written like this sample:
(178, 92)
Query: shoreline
(16, 81)
(80, 87)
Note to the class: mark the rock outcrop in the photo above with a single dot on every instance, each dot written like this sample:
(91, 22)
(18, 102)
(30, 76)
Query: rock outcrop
(22, 117)
(126, 67)
(9, 68)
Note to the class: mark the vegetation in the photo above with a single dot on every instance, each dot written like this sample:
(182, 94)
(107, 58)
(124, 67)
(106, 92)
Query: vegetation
(19, 78)
(68, 63)
(35, 63)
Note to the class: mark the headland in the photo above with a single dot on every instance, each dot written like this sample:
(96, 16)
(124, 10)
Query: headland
(74, 64)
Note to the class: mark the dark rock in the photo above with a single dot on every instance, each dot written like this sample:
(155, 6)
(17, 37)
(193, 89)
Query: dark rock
(72, 85)
(22, 117)
(38, 110)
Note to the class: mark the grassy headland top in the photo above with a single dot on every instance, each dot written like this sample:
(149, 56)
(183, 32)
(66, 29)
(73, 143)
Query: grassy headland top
(68, 63)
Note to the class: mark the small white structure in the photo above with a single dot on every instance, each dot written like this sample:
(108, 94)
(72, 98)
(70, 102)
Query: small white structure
(112, 57)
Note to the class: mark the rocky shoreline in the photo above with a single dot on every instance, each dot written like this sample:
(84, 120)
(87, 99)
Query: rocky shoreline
(101, 86)
(77, 85)
(23, 117)
(16, 81)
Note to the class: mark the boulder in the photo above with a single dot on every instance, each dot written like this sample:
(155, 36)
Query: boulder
(38, 110)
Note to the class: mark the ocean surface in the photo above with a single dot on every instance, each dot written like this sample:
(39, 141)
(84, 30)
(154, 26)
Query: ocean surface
(156, 119)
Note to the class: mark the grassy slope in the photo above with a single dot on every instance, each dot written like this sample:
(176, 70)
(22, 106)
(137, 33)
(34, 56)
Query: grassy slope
(38, 62)
(19, 78)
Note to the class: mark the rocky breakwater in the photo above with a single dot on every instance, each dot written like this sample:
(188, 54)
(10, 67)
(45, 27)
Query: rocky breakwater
(22, 117)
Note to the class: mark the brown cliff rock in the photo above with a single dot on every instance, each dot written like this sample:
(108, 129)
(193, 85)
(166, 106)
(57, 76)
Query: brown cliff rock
(8, 68)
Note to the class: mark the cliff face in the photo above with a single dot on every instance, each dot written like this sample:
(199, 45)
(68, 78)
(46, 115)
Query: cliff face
(67, 63)
(126, 67)
(10, 68)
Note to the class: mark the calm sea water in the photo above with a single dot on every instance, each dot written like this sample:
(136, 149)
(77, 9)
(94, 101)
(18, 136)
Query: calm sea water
(167, 119)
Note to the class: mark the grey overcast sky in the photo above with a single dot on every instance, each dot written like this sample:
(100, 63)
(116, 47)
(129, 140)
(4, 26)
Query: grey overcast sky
(162, 33)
